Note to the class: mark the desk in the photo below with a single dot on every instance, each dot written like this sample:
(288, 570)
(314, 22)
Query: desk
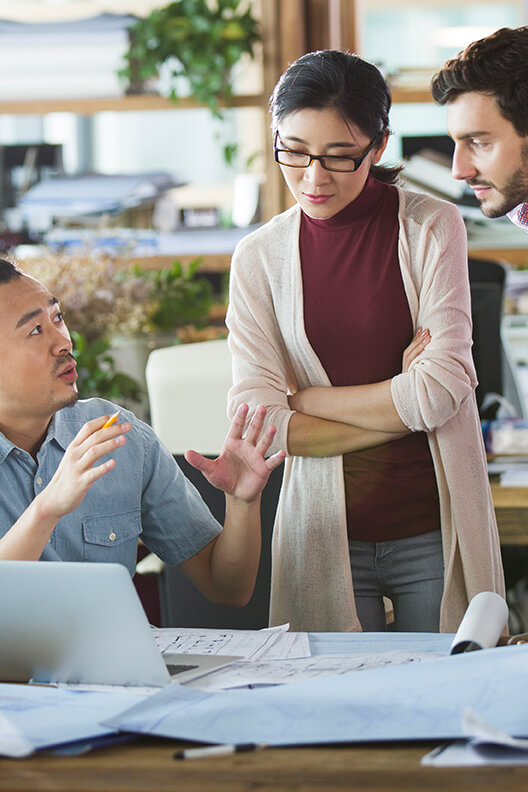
(148, 766)
(498, 240)
(511, 508)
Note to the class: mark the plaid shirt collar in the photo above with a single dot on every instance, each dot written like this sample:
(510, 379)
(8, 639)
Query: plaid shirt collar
(519, 216)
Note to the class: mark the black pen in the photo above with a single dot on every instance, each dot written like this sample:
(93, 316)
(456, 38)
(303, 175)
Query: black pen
(216, 750)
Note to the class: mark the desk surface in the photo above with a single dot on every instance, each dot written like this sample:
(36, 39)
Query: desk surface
(148, 766)
(511, 508)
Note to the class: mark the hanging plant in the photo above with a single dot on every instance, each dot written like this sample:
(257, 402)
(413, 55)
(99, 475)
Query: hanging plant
(202, 39)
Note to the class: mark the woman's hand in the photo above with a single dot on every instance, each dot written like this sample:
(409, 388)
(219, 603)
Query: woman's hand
(241, 470)
(77, 470)
(415, 348)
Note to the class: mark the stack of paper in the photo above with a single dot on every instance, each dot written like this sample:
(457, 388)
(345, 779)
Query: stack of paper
(74, 59)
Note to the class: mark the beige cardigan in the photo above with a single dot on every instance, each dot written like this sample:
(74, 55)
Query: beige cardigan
(311, 577)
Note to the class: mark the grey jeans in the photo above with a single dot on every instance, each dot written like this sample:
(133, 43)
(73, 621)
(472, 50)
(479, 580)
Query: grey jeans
(410, 572)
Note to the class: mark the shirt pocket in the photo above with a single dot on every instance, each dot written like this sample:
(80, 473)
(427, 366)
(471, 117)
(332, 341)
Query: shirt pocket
(112, 537)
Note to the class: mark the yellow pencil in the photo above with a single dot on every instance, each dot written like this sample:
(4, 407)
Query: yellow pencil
(113, 418)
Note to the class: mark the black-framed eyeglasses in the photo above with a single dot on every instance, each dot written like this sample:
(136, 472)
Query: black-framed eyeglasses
(301, 159)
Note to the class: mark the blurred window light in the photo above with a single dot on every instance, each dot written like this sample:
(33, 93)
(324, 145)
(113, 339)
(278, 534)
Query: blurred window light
(460, 36)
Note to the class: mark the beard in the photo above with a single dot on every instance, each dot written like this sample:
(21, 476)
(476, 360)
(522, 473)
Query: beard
(68, 401)
(514, 192)
(72, 400)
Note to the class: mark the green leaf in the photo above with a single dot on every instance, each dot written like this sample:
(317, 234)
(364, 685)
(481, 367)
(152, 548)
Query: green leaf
(230, 153)
(96, 374)
(207, 38)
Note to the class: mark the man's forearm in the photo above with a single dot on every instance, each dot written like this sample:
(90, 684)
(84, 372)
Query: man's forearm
(237, 552)
(316, 437)
(28, 537)
(235, 555)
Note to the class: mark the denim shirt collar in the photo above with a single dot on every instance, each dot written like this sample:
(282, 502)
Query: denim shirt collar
(6, 446)
(64, 426)
(59, 431)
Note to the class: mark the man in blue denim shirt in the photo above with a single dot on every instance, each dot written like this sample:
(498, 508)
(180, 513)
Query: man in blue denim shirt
(75, 490)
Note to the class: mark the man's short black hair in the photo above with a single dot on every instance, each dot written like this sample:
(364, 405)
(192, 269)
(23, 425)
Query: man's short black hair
(9, 271)
(496, 65)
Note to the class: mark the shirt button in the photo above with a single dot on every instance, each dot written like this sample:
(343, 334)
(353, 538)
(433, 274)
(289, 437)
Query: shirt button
(39, 480)
(112, 537)
(17, 451)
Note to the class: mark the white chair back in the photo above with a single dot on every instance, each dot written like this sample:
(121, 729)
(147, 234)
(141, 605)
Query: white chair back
(187, 387)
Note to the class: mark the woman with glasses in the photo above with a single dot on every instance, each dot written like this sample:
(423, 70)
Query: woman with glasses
(385, 491)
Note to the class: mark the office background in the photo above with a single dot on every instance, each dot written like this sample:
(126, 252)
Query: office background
(95, 179)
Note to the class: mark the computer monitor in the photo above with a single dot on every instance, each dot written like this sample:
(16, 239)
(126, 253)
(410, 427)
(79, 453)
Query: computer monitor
(440, 144)
(412, 144)
(495, 371)
(486, 279)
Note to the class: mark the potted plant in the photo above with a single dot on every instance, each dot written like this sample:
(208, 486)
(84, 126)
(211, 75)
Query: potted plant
(177, 296)
(97, 373)
(201, 40)
(116, 312)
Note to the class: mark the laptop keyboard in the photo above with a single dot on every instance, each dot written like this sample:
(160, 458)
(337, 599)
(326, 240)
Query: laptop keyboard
(174, 670)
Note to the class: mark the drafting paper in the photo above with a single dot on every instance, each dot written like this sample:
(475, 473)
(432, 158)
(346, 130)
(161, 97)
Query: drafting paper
(247, 644)
(281, 672)
(347, 643)
(35, 717)
(407, 702)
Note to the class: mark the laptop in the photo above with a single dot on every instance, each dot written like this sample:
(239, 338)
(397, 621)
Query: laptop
(83, 623)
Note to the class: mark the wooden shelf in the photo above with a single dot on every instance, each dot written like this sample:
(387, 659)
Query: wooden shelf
(142, 102)
(413, 85)
(400, 95)
(516, 257)
(135, 102)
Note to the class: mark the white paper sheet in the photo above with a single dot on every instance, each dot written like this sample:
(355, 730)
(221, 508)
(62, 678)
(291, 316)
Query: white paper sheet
(248, 644)
(466, 754)
(490, 746)
(12, 742)
(280, 672)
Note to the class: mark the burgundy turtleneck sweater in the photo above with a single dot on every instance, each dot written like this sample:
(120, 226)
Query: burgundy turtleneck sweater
(358, 322)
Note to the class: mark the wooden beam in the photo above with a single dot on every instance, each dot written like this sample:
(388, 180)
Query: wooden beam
(318, 25)
(332, 24)
(335, 24)
(290, 29)
(350, 25)
(293, 31)
(272, 197)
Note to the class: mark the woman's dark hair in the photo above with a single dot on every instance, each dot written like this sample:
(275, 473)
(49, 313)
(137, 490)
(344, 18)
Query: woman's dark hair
(496, 65)
(9, 271)
(343, 81)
